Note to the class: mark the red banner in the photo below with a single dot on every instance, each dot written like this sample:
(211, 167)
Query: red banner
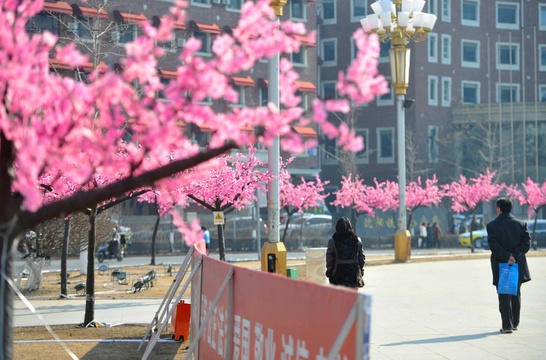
(273, 317)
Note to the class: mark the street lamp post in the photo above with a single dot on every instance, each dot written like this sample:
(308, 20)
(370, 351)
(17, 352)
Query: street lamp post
(273, 256)
(400, 21)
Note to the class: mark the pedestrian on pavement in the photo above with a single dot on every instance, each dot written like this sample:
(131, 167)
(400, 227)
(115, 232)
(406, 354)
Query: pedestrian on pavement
(509, 241)
(437, 235)
(345, 257)
(422, 235)
(206, 237)
(428, 239)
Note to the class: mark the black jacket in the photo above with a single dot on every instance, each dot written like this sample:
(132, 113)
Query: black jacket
(349, 270)
(507, 235)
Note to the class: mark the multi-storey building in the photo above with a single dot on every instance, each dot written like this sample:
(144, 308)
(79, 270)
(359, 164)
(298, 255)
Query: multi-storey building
(479, 84)
(101, 28)
(478, 80)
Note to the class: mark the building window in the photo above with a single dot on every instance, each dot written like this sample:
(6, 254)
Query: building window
(433, 7)
(304, 103)
(542, 16)
(386, 99)
(126, 32)
(299, 58)
(542, 57)
(42, 22)
(507, 93)
(201, 2)
(264, 96)
(205, 42)
(329, 90)
(329, 12)
(362, 155)
(470, 12)
(446, 91)
(433, 90)
(384, 52)
(507, 56)
(297, 9)
(446, 10)
(507, 15)
(81, 28)
(329, 150)
(471, 92)
(433, 48)
(446, 49)
(240, 90)
(358, 9)
(328, 52)
(432, 144)
(234, 4)
(385, 145)
(470, 53)
(542, 93)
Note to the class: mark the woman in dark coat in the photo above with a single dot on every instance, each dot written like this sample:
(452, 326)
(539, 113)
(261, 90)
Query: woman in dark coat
(345, 257)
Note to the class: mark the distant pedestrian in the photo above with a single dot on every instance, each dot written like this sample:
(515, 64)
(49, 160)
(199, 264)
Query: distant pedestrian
(422, 235)
(345, 257)
(509, 241)
(437, 235)
(206, 237)
(428, 240)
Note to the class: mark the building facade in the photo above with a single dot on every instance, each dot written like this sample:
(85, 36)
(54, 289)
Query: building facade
(478, 82)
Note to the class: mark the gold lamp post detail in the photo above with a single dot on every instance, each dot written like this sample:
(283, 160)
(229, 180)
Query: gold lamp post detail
(400, 21)
(277, 5)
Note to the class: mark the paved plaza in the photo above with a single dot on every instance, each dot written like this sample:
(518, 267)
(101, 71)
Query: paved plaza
(420, 310)
(449, 310)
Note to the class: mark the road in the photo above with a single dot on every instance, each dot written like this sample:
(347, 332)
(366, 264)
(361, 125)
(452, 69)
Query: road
(177, 259)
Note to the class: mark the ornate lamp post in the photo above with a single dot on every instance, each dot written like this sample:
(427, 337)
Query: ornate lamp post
(273, 255)
(400, 21)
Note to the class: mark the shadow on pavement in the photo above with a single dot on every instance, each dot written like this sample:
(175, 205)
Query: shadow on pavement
(445, 339)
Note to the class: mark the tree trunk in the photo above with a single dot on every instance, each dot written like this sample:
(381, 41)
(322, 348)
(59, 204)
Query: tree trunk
(471, 226)
(6, 305)
(64, 256)
(90, 282)
(410, 218)
(35, 275)
(154, 235)
(221, 243)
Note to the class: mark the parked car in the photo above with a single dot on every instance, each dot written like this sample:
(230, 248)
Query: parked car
(480, 236)
(540, 233)
(239, 233)
(308, 230)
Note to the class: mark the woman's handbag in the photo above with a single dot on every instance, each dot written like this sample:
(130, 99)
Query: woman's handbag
(508, 279)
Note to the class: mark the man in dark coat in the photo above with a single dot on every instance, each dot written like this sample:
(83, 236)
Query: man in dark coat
(509, 241)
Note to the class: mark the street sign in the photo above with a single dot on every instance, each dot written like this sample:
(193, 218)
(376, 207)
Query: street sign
(218, 217)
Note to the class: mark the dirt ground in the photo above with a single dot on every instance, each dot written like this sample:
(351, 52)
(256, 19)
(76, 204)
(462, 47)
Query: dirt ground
(119, 342)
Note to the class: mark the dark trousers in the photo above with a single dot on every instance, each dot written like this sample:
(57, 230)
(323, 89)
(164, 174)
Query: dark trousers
(509, 307)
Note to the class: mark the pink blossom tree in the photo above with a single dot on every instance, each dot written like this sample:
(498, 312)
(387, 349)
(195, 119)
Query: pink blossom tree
(295, 198)
(534, 195)
(231, 185)
(468, 195)
(418, 196)
(51, 122)
(364, 199)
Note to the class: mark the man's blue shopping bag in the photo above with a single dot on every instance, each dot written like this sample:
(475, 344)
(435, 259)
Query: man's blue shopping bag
(508, 279)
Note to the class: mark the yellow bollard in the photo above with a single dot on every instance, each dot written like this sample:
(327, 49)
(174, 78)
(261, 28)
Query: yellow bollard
(274, 258)
(402, 245)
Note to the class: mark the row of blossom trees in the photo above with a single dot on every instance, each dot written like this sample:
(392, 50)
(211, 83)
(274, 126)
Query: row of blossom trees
(76, 131)
(466, 195)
